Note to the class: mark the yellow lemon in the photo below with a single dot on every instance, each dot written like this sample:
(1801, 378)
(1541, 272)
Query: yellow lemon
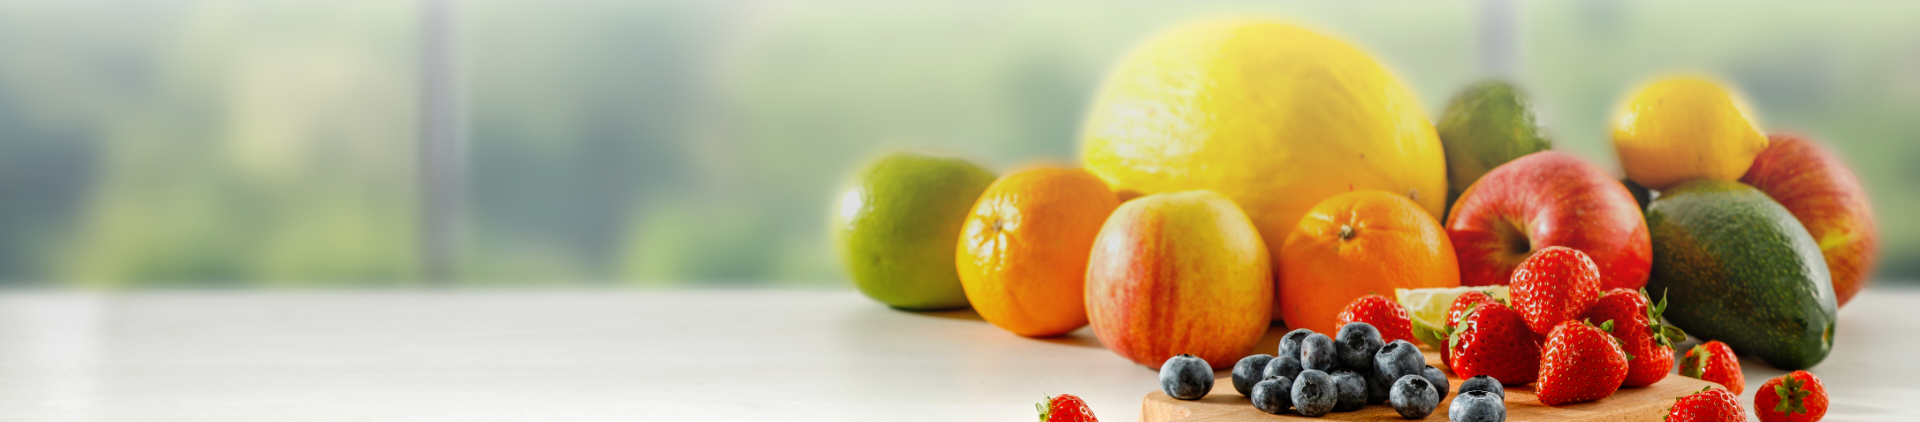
(1275, 117)
(1685, 128)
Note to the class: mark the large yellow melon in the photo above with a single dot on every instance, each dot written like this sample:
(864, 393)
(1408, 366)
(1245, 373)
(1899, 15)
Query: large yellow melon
(1275, 117)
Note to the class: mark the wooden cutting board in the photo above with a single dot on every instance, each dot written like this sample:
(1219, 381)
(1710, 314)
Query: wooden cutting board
(1627, 405)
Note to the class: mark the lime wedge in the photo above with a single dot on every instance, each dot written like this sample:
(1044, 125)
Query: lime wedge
(1428, 308)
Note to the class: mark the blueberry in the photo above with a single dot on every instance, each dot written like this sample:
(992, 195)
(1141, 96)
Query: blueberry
(1413, 397)
(1483, 383)
(1273, 395)
(1477, 406)
(1399, 359)
(1352, 389)
(1282, 366)
(1290, 343)
(1316, 353)
(1438, 379)
(1355, 345)
(1314, 393)
(1249, 371)
(1186, 377)
(1377, 386)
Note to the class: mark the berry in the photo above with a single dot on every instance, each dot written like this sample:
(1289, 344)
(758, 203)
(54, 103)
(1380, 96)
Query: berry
(1648, 343)
(1708, 405)
(1493, 340)
(1282, 366)
(1065, 408)
(1483, 383)
(1273, 395)
(1186, 377)
(1413, 397)
(1290, 343)
(1794, 397)
(1398, 359)
(1352, 389)
(1438, 379)
(1249, 371)
(1554, 285)
(1477, 406)
(1377, 386)
(1355, 345)
(1461, 304)
(1393, 361)
(1314, 393)
(1714, 361)
(1317, 353)
(1582, 363)
(1382, 313)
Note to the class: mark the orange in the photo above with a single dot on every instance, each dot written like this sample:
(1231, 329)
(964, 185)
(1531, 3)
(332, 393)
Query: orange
(1024, 247)
(1357, 243)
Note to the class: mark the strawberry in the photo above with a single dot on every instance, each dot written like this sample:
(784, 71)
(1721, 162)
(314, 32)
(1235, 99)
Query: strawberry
(1581, 363)
(1493, 340)
(1385, 315)
(1641, 334)
(1708, 405)
(1065, 408)
(1556, 284)
(1714, 361)
(1794, 397)
(1461, 304)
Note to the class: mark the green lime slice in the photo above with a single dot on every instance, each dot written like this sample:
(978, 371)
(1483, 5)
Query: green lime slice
(1428, 308)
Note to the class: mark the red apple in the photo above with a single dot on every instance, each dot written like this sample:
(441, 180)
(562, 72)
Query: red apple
(1825, 196)
(1549, 199)
(1176, 273)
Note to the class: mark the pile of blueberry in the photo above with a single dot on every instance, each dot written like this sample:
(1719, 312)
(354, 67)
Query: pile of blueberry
(1314, 375)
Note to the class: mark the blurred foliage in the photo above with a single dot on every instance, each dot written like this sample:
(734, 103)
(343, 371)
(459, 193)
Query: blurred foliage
(232, 143)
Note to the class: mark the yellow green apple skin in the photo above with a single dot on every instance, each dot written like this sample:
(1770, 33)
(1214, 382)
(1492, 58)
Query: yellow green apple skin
(1179, 273)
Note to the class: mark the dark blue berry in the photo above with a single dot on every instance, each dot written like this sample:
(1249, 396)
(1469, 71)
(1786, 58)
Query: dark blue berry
(1355, 345)
(1283, 366)
(1290, 343)
(1399, 359)
(1483, 383)
(1438, 379)
(1314, 393)
(1249, 371)
(1317, 353)
(1413, 397)
(1377, 386)
(1273, 395)
(1186, 377)
(1477, 406)
(1352, 390)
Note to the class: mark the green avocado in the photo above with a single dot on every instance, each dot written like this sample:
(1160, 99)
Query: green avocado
(898, 226)
(1737, 267)
(1485, 125)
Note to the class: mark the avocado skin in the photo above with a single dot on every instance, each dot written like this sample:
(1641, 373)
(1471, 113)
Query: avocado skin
(1737, 267)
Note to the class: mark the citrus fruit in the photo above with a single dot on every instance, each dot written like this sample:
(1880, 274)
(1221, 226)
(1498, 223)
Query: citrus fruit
(1682, 129)
(1486, 125)
(896, 225)
(1275, 117)
(1428, 308)
(1023, 250)
(1358, 243)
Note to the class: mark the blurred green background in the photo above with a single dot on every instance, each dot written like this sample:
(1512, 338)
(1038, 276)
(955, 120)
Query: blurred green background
(209, 143)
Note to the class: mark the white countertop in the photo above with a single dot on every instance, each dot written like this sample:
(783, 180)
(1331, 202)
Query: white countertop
(639, 355)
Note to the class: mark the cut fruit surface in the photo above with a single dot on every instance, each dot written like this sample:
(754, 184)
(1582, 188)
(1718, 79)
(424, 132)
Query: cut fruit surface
(1428, 308)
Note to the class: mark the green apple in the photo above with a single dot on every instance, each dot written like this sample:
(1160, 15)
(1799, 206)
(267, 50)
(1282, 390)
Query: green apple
(899, 223)
(1486, 125)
